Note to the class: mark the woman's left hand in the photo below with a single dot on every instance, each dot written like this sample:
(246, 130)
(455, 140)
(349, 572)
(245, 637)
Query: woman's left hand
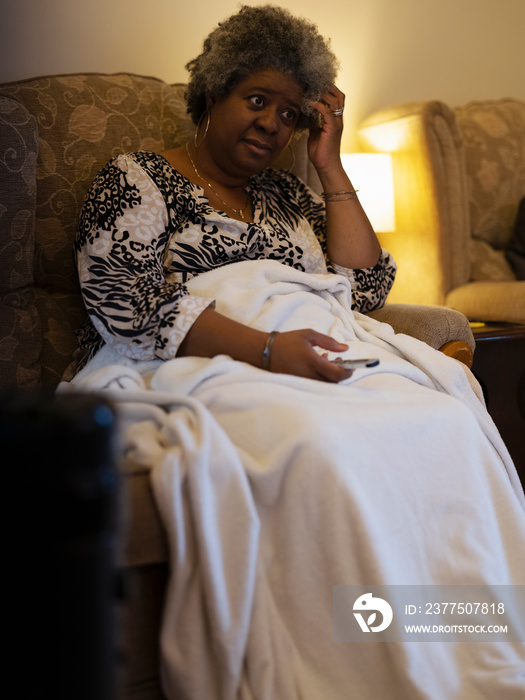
(324, 143)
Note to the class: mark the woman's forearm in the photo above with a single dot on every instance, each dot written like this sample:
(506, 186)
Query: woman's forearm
(351, 240)
(214, 334)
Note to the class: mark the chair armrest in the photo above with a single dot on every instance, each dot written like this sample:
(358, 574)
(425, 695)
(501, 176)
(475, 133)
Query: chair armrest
(442, 328)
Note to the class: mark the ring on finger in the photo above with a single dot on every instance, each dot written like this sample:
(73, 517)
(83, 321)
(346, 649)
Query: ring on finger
(338, 112)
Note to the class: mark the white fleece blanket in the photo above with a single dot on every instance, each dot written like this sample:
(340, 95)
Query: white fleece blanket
(275, 488)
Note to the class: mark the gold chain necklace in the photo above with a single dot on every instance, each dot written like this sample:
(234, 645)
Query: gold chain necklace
(228, 206)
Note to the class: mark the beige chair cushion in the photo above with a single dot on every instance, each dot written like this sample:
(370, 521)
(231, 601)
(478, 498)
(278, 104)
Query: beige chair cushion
(484, 301)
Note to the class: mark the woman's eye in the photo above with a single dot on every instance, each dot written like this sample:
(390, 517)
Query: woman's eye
(289, 115)
(257, 100)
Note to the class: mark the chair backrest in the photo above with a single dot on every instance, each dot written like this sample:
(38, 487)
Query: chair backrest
(55, 135)
(493, 134)
(459, 177)
(430, 244)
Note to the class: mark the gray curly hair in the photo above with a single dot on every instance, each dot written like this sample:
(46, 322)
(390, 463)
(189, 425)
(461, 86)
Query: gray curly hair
(255, 39)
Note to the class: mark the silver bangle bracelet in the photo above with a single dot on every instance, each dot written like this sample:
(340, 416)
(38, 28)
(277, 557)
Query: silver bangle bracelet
(267, 352)
(329, 196)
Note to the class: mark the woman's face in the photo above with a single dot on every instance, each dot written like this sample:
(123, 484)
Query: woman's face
(252, 125)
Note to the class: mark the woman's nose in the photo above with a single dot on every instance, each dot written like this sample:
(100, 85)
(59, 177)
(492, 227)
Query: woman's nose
(268, 120)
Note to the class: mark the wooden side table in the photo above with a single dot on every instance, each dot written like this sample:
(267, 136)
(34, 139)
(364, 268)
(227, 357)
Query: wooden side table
(499, 366)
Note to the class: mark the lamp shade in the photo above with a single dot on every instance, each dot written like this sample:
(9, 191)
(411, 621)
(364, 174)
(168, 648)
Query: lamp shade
(371, 174)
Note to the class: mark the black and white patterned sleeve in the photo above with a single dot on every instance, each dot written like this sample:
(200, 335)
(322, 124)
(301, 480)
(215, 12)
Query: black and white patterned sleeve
(371, 285)
(120, 245)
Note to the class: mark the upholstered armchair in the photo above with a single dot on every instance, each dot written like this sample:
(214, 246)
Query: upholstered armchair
(55, 135)
(459, 178)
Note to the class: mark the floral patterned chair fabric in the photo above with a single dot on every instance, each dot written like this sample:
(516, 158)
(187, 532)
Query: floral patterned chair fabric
(57, 133)
(20, 341)
(459, 179)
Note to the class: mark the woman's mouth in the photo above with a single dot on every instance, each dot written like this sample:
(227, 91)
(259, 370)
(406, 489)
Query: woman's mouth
(259, 148)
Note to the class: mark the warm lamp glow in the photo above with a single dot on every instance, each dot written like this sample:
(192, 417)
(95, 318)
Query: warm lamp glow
(371, 174)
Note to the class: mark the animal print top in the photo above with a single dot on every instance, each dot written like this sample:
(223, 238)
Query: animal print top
(145, 230)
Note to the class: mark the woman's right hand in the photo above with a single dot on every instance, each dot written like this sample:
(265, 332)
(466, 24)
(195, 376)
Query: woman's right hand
(293, 352)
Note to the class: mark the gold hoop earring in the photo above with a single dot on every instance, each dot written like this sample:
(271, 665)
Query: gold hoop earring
(206, 114)
(293, 159)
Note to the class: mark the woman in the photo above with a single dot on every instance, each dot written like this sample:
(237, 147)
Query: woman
(261, 77)
(274, 487)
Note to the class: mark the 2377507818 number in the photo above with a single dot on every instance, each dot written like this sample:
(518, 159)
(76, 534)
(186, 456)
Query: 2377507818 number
(464, 608)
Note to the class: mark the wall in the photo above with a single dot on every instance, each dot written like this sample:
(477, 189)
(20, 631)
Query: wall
(391, 51)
